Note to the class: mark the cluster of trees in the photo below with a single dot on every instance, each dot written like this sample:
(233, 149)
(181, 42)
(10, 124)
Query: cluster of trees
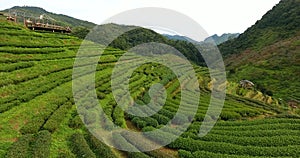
(141, 35)
(264, 90)
(80, 32)
(137, 36)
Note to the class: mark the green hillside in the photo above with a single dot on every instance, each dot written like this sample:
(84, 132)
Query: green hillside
(125, 37)
(38, 116)
(281, 22)
(139, 36)
(135, 36)
(274, 69)
(268, 53)
(61, 19)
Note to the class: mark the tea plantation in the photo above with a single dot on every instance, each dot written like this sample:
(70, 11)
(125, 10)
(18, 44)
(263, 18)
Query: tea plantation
(38, 115)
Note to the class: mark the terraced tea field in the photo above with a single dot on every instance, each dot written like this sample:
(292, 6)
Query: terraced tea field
(38, 115)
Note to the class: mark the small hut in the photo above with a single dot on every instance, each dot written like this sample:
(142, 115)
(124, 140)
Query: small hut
(246, 84)
(293, 104)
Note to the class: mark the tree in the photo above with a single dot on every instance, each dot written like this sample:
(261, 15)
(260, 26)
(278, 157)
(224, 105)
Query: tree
(80, 32)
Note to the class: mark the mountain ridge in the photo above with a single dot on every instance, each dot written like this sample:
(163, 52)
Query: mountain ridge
(179, 37)
(217, 39)
(223, 38)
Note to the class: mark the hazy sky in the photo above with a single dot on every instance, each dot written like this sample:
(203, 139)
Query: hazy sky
(215, 16)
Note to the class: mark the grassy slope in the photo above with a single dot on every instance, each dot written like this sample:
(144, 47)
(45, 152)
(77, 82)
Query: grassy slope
(37, 95)
(275, 67)
(281, 22)
(267, 53)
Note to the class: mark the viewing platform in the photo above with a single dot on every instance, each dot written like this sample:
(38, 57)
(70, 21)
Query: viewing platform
(47, 27)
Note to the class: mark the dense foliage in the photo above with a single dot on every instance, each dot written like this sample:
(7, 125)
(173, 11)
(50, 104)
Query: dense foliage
(139, 36)
(80, 32)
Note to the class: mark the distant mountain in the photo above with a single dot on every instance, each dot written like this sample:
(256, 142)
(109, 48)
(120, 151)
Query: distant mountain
(217, 39)
(223, 38)
(268, 52)
(60, 19)
(181, 38)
